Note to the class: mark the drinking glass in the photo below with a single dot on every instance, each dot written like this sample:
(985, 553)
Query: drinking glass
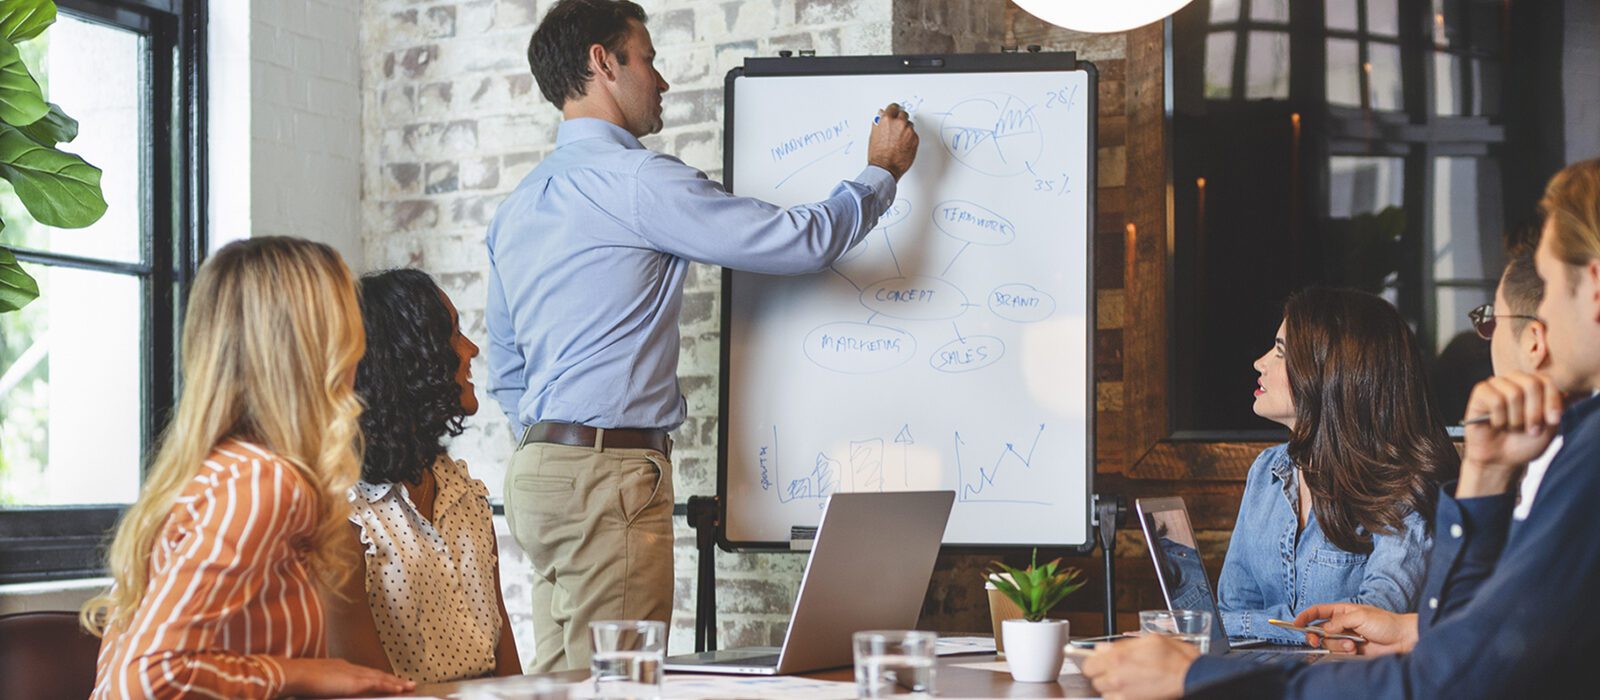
(1192, 626)
(894, 663)
(627, 660)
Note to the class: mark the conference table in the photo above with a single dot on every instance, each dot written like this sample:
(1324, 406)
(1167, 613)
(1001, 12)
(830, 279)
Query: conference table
(964, 676)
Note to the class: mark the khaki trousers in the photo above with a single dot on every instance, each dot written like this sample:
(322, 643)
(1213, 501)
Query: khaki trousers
(597, 525)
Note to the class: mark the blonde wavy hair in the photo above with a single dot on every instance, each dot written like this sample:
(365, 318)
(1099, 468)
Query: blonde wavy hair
(271, 340)
(1571, 206)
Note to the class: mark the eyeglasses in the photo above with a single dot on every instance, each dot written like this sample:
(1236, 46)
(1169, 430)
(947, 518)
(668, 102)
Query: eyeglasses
(1483, 320)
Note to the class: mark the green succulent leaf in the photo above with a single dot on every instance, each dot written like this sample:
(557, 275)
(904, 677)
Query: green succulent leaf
(53, 128)
(17, 287)
(58, 188)
(25, 19)
(1036, 590)
(21, 100)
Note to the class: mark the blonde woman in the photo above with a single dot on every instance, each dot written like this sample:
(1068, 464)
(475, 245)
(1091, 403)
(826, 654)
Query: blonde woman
(213, 594)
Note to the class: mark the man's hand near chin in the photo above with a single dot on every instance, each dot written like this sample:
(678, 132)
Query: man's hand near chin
(1150, 666)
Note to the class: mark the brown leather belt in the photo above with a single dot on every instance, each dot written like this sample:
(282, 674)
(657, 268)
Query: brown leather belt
(575, 435)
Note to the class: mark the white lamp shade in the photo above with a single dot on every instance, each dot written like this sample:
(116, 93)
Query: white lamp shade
(1100, 16)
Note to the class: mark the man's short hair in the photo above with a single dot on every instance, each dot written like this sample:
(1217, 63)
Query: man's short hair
(558, 53)
(1521, 285)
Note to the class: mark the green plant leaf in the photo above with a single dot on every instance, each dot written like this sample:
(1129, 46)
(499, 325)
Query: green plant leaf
(53, 128)
(1037, 589)
(21, 101)
(25, 19)
(17, 287)
(58, 188)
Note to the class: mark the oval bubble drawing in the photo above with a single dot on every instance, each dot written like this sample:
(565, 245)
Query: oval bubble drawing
(965, 221)
(898, 211)
(1022, 303)
(915, 298)
(967, 354)
(994, 134)
(850, 347)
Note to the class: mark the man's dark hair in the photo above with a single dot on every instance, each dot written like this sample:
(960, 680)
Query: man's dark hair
(1521, 283)
(407, 378)
(558, 51)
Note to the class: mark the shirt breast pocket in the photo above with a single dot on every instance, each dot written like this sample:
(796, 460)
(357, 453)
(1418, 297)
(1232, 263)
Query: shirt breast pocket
(1333, 557)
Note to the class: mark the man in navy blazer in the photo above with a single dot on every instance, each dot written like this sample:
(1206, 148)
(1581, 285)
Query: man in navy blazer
(1528, 623)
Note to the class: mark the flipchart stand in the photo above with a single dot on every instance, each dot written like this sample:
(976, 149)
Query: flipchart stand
(1110, 512)
(704, 518)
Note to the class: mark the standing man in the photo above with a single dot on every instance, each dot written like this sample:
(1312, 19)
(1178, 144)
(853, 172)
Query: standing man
(587, 259)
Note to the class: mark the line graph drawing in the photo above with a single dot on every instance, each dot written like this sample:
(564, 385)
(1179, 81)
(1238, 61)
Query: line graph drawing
(997, 483)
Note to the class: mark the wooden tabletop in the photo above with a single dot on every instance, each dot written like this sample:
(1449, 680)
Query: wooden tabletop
(954, 680)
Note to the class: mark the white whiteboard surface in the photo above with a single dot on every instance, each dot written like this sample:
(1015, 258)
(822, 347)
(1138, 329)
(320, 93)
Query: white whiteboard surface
(951, 348)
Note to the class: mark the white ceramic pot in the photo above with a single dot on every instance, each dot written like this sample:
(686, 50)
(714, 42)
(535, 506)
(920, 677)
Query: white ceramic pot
(1034, 649)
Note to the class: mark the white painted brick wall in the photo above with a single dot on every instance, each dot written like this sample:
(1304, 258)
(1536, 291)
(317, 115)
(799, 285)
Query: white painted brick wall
(308, 174)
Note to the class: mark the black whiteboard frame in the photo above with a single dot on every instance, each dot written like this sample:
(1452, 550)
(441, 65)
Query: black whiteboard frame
(809, 66)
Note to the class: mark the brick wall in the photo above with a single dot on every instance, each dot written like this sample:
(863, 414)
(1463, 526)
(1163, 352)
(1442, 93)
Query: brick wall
(452, 121)
(285, 117)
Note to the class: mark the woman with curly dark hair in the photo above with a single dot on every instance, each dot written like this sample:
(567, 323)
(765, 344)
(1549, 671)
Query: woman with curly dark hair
(425, 527)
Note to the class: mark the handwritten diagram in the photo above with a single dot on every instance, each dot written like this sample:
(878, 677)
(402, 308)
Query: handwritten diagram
(874, 463)
(948, 349)
(999, 482)
(906, 300)
(871, 464)
(993, 134)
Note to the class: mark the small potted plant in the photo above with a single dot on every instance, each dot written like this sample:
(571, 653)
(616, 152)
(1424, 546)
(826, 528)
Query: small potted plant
(1033, 644)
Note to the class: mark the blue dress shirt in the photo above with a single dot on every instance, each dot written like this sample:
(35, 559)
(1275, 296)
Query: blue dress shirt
(587, 259)
(1513, 609)
(1274, 569)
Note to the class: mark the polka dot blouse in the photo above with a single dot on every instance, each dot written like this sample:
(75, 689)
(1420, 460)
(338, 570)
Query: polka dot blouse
(431, 585)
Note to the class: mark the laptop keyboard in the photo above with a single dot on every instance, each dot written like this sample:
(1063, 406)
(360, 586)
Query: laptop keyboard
(762, 660)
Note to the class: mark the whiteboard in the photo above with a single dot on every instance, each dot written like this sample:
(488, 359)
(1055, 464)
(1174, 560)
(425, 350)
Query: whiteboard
(951, 349)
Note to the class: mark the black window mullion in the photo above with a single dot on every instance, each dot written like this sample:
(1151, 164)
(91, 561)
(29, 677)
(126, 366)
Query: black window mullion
(45, 543)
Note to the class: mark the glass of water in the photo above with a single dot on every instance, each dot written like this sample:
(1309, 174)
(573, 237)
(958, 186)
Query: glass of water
(1192, 626)
(894, 663)
(627, 660)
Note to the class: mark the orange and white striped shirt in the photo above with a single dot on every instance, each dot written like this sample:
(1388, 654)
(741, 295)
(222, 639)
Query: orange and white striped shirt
(229, 588)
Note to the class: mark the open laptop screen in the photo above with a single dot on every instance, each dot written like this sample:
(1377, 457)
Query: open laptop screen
(1182, 575)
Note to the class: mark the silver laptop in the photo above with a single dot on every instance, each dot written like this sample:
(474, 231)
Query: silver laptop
(1182, 574)
(869, 569)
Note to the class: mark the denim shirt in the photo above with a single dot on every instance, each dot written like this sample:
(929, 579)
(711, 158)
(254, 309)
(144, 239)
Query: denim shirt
(1527, 628)
(1271, 573)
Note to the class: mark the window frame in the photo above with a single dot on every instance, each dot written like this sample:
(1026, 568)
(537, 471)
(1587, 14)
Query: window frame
(60, 542)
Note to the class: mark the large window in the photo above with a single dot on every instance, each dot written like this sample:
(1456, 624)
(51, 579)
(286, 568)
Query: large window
(87, 371)
(1362, 143)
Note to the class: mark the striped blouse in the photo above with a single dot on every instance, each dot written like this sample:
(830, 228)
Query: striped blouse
(228, 590)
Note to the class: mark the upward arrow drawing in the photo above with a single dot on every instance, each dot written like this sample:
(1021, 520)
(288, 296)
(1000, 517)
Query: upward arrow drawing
(904, 438)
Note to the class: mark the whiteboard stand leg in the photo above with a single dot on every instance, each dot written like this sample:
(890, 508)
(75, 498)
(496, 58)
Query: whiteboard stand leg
(1111, 511)
(703, 515)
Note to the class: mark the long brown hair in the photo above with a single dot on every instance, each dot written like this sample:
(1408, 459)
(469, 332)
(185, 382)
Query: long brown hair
(1366, 437)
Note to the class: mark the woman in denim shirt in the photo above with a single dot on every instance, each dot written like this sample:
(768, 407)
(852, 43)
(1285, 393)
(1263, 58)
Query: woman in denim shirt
(1341, 512)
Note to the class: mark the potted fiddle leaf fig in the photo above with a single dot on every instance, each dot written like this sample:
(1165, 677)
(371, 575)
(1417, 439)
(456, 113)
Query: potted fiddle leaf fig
(57, 188)
(1034, 644)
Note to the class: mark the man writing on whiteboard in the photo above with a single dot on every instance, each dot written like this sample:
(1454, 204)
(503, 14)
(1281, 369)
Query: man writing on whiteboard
(587, 259)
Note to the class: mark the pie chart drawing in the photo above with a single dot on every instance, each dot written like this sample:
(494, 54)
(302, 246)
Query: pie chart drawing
(995, 134)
